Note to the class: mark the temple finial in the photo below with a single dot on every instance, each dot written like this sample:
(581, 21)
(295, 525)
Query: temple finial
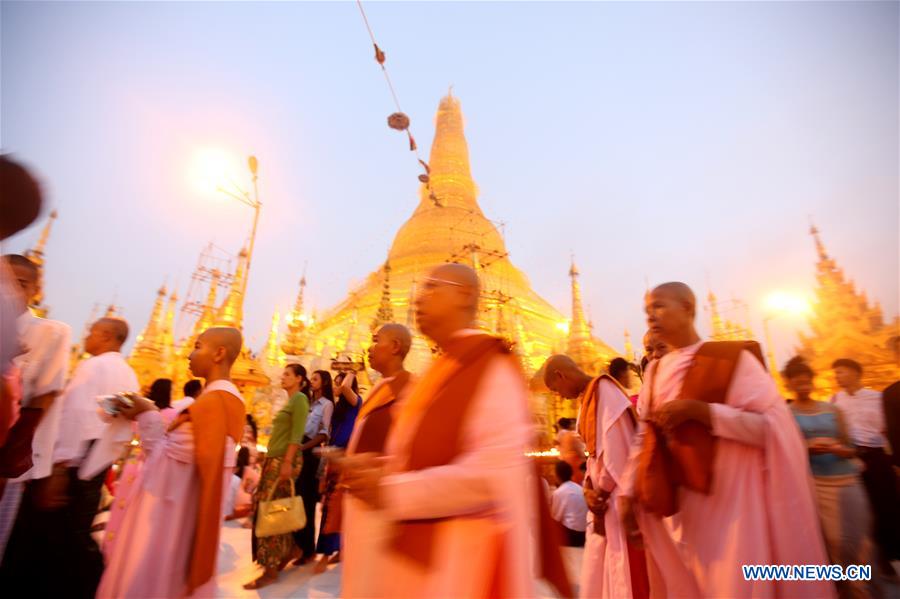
(820, 247)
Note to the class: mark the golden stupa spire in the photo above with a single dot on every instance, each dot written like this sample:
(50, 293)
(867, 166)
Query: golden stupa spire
(231, 312)
(272, 352)
(448, 218)
(146, 358)
(820, 247)
(580, 345)
(629, 348)
(36, 255)
(208, 315)
(385, 312)
(167, 331)
(295, 339)
(450, 174)
(38, 249)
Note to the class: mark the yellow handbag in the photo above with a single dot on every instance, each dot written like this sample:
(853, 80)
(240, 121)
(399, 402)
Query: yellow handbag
(280, 516)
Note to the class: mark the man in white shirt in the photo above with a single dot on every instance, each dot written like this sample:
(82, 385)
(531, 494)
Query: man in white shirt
(863, 411)
(568, 507)
(105, 373)
(192, 390)
(42, 367)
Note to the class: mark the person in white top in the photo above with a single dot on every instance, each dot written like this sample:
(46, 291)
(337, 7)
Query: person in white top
(27, 455)
(568, 507)
(192, 390)
(105, 373)
(864, 412)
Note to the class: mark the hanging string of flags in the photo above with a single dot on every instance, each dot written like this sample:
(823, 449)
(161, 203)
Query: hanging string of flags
(399, 121)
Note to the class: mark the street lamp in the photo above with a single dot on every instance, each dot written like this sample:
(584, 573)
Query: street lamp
(244, 197)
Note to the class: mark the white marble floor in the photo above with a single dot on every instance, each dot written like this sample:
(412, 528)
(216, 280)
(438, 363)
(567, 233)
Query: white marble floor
(236, 568)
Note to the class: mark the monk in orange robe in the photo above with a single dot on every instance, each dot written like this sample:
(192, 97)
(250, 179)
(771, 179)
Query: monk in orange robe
(365, 534)
(169, 537)
(462, 497)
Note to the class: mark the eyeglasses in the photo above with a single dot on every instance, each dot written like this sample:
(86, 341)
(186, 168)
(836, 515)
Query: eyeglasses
(434, 281)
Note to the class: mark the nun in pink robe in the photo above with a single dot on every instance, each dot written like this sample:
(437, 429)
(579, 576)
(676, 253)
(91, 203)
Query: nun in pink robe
(160, 514)
(760, 509)
(604, 568)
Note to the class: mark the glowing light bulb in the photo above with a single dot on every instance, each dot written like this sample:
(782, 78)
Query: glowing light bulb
(212, 169)
(787, 302)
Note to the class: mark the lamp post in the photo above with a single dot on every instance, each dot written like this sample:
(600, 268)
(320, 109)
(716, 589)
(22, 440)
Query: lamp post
(244, 197)
(770, 350)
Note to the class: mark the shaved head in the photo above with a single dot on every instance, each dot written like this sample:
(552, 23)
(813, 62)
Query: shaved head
(226, 337)
(562, 375)
(461, 276)
(397, 332)
(677, 291)
(115, 326)
(559, 363)
(671, 309)
(457, 273)
(447, 301)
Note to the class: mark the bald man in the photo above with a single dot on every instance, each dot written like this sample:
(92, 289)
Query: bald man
(612, 566)
(458, 489)
(739, 493)
(169, 537)
(76, 498)
(365, 533)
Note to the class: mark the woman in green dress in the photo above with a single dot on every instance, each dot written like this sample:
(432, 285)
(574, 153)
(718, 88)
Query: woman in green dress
(279, 469)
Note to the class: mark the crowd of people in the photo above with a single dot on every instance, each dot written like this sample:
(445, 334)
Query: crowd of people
(713, 469)
(423, 486)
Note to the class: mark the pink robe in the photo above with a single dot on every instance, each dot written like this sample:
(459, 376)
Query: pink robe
(760, 509)
(604, 568)
(485, 492)
(151, 556)
(126, 485)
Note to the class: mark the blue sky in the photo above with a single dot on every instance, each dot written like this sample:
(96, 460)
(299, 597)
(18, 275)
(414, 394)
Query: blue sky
(656, 141)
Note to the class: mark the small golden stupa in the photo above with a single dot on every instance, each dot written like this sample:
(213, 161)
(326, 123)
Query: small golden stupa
(156, 355)
(36, 255)
(845, 325)
(147, 356)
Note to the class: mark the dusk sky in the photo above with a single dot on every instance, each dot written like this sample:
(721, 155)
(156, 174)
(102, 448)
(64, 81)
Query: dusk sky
(655, 141)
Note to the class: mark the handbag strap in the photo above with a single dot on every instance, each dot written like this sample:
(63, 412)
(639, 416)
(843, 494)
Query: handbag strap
(276, 485)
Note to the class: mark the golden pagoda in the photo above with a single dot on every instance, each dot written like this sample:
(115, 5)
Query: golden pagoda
(451, 229)
(591, 354)
(272, 354)
(845, 325)
(168, 350)
(296, 337)
(724, 329)
(146, 357)
(246, 373)
(36, 255)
